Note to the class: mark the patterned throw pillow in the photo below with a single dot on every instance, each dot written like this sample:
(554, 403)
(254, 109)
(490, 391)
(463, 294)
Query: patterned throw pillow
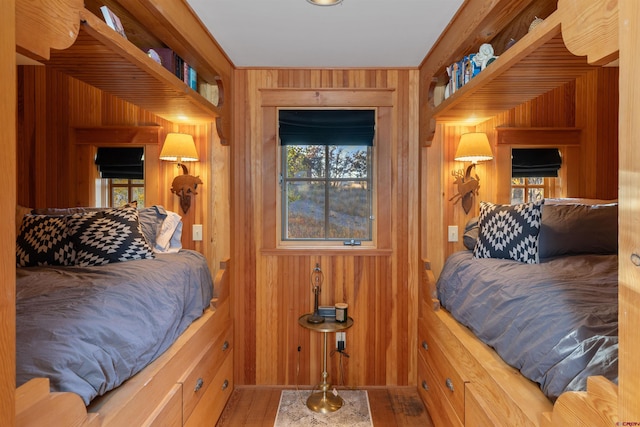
(43, 240)
(107, 236)
(509, 232)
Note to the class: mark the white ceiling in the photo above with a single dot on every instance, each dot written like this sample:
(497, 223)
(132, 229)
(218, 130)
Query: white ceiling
(354, 34)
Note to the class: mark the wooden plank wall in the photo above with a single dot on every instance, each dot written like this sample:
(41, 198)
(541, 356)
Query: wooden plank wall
(7, 205)
(590, 104)
(272, 289)
(629, 274)
(54, 171)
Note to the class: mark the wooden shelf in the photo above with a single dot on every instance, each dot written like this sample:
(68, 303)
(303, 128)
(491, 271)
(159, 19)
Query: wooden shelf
(533, 136)
(108, 61)
(117, 134)
(536, 64)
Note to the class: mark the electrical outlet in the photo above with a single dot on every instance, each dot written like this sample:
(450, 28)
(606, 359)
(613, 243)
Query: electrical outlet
(197, 232)
(341, 340)
(452, 233)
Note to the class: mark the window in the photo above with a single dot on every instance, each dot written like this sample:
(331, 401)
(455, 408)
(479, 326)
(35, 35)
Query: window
(376, 134)
(123, 191)
(327, 175)
(528, 189)
(533, 172)
(327, 192)
(121, 171)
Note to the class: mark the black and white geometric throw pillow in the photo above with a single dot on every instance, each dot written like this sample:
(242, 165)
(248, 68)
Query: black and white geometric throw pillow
(107, 236)
(43, 240)
(509, 232)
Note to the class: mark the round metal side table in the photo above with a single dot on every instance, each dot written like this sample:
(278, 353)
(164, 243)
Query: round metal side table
(324, 401)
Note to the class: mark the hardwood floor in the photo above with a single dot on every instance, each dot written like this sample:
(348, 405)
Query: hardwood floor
(390, 407)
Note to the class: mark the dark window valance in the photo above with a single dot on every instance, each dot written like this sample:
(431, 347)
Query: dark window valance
(120, 162)
(326, 127)
(535, 162)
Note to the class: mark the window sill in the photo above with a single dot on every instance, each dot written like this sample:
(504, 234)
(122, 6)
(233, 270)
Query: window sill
(327, 250)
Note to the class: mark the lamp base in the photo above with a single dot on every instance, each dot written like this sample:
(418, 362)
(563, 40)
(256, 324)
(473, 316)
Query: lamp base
(315, 318)
(324, 402)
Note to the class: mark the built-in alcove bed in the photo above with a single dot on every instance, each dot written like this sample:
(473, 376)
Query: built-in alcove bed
(504, 336)
(462, 379)
(125, 334)
(180, 375)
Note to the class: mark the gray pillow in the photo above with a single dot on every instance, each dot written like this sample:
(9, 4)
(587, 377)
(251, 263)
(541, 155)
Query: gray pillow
(578, 229)
(66, 211)
(471, 232)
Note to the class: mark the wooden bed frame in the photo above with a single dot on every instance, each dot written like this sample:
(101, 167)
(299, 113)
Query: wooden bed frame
(189, 384)
(463, 382)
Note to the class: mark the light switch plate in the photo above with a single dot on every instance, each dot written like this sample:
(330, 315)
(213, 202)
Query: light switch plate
(452, 233)
(197, 232)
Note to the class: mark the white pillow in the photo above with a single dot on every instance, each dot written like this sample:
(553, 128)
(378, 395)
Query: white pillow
(169, 238)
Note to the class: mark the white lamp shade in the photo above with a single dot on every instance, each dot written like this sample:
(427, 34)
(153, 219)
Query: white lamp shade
(473, 147)
(179, 147)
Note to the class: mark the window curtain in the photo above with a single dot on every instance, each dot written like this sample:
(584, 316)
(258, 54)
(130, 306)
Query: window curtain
(120, 162)
(535, 162)
(326, 127)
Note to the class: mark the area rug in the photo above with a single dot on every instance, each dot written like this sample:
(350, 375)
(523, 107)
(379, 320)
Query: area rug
(293, 411)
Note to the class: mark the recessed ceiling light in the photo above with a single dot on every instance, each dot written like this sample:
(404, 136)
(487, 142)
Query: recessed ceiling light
(325, 2)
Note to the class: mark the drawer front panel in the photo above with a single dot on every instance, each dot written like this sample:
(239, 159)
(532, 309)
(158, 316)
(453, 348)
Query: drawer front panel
(169, 412)
(446, 376)
(479, 414)
(200, 377)
(210, 406)
(438, 405)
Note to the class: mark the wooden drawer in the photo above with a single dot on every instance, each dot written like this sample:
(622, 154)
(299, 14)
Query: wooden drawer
(439, 407)
(199, 377)
(478, 412)
(447, 377)
(169, 412)
(208, 410)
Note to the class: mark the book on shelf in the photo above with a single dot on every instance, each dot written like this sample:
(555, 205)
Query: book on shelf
(112, 20)
(167, 58)
(185, 73)
(176, 65)
(193, 79)
(210, 92)
(179, 70)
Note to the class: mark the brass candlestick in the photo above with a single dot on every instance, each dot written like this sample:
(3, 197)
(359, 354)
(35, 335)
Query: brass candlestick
(316, 280)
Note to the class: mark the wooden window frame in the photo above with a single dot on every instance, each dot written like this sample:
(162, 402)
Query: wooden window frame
(129, 186)
(547, 186)
(380, 100)
(567, 140)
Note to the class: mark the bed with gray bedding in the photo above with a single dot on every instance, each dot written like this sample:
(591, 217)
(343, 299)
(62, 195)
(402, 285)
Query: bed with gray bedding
(88, 329)
(555, 319)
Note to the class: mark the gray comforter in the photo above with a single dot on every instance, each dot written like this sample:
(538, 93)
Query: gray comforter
(557, 321)
(89, 329)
